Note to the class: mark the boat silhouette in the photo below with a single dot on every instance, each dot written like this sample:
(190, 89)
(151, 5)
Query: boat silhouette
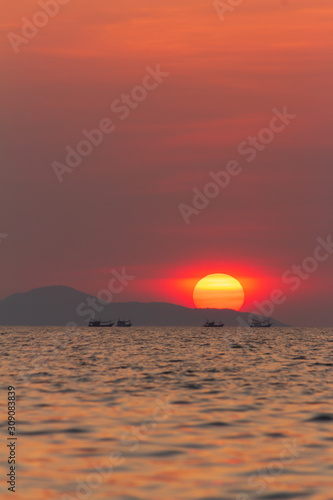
(213, 324)
(261, 323)
(100, 324)
(124, 323)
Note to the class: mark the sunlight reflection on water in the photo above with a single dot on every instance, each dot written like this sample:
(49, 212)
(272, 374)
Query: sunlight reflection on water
(171, 414)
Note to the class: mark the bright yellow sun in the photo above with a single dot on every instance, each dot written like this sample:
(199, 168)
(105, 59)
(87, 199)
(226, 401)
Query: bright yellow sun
(218, 291)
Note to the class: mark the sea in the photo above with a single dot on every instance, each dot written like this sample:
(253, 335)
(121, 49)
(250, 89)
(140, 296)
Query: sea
(167, 413)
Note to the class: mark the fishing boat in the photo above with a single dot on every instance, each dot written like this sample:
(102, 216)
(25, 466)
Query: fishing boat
(213, 324)
(100, 324)
(261, 323)
(124, 323)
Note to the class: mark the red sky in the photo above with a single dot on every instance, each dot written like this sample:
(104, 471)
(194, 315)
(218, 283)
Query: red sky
(119, 207)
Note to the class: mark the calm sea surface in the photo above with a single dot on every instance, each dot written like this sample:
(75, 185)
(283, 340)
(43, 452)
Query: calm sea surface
(169, 413)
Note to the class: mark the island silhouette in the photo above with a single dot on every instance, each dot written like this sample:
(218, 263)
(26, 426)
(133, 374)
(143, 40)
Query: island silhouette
(62, 305)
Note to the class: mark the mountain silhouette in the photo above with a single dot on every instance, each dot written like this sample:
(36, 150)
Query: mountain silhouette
(60, 305)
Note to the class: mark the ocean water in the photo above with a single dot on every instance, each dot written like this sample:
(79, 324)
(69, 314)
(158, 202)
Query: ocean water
(169, 413)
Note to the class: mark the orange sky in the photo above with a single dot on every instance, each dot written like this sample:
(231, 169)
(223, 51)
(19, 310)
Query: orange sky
(120, 206)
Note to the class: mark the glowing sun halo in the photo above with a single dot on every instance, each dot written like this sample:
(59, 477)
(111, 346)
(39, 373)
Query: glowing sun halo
(218, 291)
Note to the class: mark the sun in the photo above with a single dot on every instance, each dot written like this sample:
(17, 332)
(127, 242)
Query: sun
(218, 291)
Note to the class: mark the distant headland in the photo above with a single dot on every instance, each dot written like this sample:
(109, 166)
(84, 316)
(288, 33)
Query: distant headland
(62, 305)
